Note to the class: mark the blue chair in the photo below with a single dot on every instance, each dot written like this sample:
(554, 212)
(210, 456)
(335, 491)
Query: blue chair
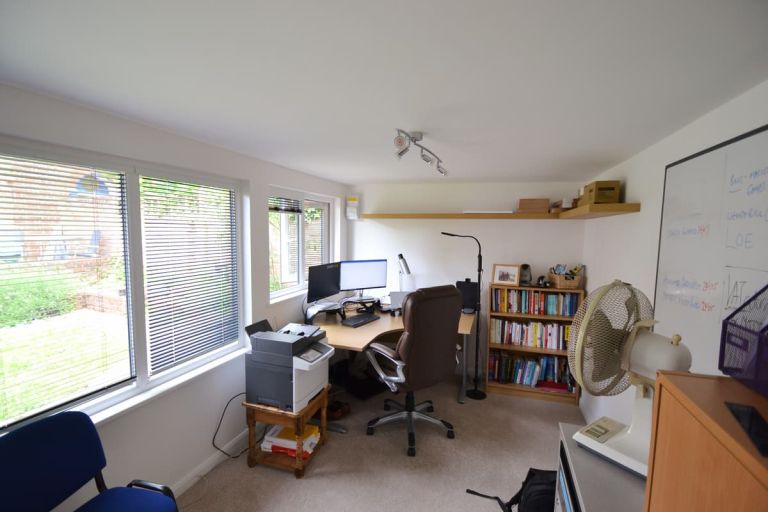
(45, 462)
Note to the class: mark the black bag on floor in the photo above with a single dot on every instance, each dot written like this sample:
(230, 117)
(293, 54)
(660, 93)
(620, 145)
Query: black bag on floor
(536, 495)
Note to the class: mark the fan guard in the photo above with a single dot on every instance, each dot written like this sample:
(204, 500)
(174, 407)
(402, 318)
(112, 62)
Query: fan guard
(599, 331)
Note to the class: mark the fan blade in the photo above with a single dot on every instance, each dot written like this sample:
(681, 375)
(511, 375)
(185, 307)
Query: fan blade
(604, 343)
(632, 310)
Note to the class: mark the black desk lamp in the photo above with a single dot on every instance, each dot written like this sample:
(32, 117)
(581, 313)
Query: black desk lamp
(476, 393)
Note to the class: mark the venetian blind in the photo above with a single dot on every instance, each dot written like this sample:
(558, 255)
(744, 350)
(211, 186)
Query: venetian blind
(315, 234)
(64, 324)
(190, 269)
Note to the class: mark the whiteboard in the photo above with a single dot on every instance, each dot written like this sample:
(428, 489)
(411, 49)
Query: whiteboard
(713, 243)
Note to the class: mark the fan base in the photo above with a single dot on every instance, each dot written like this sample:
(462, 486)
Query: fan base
(621, 449)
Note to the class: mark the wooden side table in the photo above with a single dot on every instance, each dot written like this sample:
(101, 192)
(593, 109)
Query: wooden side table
(296, 421)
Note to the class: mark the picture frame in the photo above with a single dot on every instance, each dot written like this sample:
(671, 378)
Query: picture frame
(505, 273)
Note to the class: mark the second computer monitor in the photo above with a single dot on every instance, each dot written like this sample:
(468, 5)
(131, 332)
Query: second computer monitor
(363, 274)
(323, 281)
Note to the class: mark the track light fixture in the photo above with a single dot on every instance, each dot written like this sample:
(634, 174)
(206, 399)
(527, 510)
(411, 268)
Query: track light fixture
(403, 141)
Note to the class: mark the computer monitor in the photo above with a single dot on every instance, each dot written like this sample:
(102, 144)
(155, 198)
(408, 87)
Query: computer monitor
(363, 274)
(323, 281)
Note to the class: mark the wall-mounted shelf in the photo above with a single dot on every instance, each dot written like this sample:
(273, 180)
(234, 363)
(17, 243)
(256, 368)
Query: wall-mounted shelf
(589, 211)
(490, 215)
(593, 211)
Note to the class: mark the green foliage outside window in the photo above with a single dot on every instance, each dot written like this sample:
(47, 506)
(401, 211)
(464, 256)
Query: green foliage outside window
(24, 298)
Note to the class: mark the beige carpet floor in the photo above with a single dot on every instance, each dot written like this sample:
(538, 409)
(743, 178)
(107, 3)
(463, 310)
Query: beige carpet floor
(497, 440)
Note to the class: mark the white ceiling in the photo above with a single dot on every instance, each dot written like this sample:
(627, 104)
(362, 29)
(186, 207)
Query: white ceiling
(503, 90)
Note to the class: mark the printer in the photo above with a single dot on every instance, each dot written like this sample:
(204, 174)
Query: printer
(287, 368)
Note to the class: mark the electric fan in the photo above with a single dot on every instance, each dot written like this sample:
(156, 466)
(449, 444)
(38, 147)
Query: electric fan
(611, 347)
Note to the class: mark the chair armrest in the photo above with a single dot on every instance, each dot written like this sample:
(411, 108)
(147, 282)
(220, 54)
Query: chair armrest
(151, 486)
(377, 349)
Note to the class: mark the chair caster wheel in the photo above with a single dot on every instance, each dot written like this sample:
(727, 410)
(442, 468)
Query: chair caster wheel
(450, 434)
(430, 409)
(369, 431)
(411, 451)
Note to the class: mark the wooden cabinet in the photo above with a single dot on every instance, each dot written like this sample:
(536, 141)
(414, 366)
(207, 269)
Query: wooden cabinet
(701, 459)
(529, 326)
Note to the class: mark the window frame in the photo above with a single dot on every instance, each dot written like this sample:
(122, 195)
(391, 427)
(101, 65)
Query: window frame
(122, 396)
(327, 250)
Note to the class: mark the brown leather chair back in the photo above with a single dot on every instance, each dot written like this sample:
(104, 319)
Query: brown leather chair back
(428, 343)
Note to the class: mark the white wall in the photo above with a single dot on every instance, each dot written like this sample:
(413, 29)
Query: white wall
(168, 439)
(436, 259)
(626, 247)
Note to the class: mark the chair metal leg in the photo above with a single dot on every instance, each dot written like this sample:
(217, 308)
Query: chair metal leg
(431, 419)
(409, 413)
(392, 404)
(389, 418)
(425, 406)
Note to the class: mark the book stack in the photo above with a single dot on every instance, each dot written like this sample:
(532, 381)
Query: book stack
(530, 334)
(545, 371)
(534, 302)
(279, 439)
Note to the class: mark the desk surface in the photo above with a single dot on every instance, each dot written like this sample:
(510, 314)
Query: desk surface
(600, 484)
(357, 338)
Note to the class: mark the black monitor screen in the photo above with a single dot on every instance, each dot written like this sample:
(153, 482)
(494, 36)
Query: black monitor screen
(363, 274)
(323, 281)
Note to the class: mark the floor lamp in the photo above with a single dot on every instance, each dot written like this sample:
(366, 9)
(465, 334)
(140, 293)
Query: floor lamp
(476, 393)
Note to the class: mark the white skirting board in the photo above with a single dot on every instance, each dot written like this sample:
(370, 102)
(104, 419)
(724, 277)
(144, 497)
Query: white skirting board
(236, 445)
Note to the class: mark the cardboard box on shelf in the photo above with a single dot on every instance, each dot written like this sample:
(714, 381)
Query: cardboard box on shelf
(533, 205)
(600, 192)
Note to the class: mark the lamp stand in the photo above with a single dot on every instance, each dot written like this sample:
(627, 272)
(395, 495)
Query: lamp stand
(476, 393)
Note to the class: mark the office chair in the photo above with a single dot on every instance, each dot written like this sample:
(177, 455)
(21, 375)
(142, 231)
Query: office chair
(45, 462)
(425, 355)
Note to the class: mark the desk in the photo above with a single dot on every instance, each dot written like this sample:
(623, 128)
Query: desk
(592, 482)
(357, 338)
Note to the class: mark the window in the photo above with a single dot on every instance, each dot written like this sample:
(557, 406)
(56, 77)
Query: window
(67, 308)
(298, 239)
(63, 289)
(190, 269)
(315, 220)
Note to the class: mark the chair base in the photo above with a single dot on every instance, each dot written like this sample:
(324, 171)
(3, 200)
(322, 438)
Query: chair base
(409, 413)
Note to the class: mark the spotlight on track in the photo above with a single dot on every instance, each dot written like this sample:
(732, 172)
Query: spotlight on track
(403, 141)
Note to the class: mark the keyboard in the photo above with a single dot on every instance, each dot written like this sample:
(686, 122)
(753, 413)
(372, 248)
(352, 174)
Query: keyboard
(358, 320)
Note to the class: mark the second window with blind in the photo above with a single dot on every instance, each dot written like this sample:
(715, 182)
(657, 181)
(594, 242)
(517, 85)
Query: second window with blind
(299, 237)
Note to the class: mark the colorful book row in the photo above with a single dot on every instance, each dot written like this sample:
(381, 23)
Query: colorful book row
(530, 334)
(544, 372)
(534, 302)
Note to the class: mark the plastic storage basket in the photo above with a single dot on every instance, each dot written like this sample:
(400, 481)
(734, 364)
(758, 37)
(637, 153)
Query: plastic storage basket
(744, 343)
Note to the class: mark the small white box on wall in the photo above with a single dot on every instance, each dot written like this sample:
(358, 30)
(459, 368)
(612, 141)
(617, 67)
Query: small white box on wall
(353, 207)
